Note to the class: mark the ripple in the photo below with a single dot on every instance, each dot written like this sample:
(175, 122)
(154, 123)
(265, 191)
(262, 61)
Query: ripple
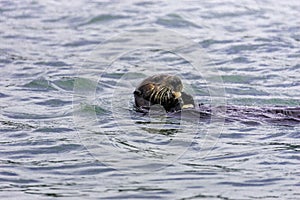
(175, 20)
(54, 103)
(40, 84)
(53, 63)
(105, 18)
(10, 125)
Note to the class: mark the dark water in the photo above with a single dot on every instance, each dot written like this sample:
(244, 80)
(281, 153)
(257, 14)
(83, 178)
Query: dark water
(68, 128)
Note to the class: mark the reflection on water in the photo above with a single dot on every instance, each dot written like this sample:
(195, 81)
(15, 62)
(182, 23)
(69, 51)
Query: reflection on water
(54, 144)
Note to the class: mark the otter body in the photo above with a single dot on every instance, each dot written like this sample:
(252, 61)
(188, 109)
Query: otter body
(166, 90)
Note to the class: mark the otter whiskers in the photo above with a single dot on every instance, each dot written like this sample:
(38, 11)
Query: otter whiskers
(161, 96)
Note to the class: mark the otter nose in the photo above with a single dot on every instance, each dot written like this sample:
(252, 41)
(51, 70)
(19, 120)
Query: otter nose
(176, 94)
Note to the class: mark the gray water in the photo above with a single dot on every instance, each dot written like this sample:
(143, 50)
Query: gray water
(68, 127)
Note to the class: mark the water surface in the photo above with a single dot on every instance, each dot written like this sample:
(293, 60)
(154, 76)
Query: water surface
(88, 143)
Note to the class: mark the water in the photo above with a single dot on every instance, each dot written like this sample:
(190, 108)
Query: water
(67, 124)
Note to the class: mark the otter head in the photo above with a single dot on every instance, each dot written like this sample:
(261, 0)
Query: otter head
(160, 89)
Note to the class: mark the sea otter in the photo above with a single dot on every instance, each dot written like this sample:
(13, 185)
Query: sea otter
(167, 91)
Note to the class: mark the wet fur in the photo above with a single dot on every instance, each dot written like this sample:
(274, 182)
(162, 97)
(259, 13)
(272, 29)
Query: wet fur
(159, 90)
